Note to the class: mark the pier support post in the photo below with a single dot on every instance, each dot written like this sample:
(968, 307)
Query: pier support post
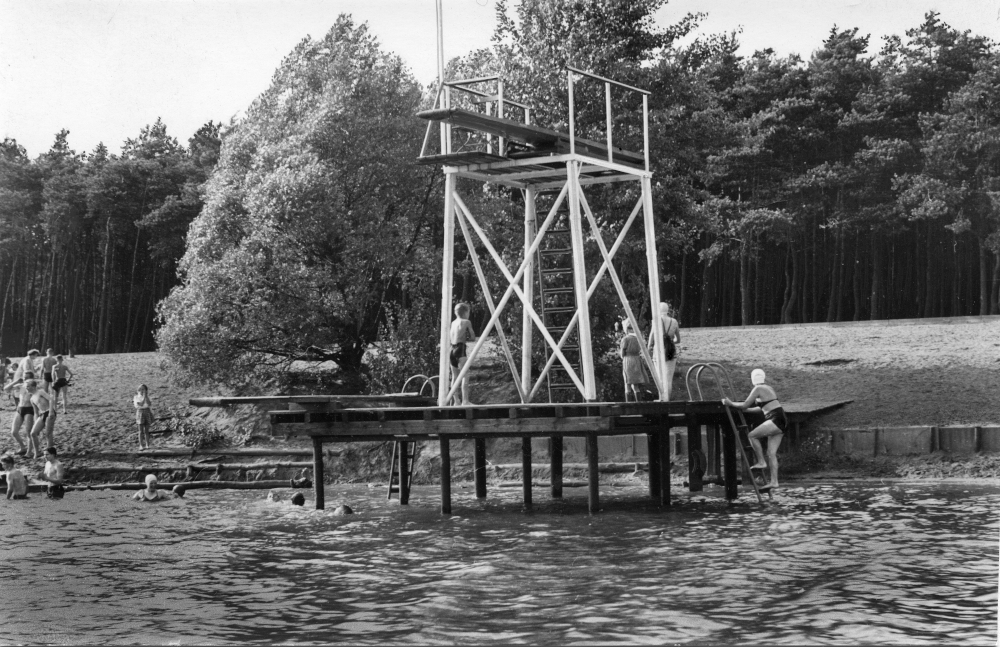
(318, 472)
(712, 454)
(653, 453)
(445, 475)
(593, 500)
(404, 472)
(479, 463)
(729, 461)
(664, 446)
(556, 465)
(696, 458)
(526, 470)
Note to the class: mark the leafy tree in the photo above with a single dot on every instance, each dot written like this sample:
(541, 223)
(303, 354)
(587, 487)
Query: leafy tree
(315, 219)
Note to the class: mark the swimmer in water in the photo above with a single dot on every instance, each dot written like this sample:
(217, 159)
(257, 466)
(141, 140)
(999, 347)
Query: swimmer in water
(150, 493)
(763, 398)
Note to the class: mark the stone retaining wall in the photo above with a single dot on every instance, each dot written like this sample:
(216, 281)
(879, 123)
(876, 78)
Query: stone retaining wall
(909, 441)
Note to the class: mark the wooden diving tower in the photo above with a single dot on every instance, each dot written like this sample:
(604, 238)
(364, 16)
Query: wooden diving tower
(540, 162)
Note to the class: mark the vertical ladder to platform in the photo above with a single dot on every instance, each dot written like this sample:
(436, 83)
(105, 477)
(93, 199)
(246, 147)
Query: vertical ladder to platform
(401, 470)
(557, 300)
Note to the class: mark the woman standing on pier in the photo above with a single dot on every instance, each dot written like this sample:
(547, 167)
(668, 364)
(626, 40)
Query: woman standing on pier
(631, 353)
(671, 340)
(763, 398)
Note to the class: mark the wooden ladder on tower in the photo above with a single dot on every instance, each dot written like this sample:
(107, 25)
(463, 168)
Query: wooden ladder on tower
(557, 303)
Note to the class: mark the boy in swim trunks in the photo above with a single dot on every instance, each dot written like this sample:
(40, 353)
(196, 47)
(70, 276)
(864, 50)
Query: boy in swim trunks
(61, 373)
(47, 363)
(17, 485)
(461, 332)
(53, 474)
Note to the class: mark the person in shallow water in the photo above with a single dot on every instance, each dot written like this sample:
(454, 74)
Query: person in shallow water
(150, 492)
(17, 485)
(763, 398)
(54, 474)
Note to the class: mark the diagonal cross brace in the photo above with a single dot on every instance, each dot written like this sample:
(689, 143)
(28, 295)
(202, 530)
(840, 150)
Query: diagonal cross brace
(590, 291)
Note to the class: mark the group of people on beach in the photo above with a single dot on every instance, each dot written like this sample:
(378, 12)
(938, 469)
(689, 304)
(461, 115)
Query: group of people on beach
(17, 483)
(36, 401)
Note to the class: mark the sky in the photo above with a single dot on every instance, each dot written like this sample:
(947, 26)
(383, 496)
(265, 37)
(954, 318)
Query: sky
(103, 69)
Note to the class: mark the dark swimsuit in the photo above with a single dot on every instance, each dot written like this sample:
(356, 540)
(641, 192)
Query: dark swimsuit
(776, 415)
(26, 411)
(457, 353)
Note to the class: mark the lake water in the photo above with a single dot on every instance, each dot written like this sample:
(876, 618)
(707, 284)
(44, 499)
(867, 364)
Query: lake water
(913, 563)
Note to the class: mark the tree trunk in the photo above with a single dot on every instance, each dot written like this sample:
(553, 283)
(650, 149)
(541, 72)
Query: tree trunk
(877, 276)
(791, 285)
(745, 316)
(103, 304)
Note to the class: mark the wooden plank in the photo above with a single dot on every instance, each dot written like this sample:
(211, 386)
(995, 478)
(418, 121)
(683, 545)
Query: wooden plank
(526, 471)
(401, 399)
(502, 426)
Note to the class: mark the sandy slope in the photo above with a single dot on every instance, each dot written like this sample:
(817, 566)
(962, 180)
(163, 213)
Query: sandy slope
(100, 416)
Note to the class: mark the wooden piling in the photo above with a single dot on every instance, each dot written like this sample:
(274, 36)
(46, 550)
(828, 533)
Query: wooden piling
(653, 452)
(696, 458)
(593, 500)
(556, 465)
(664, 446)
(712, 453)
(526, 470)
(479, 463)
(445, 476)
(404, 472)
(318, 472)
(729, 461)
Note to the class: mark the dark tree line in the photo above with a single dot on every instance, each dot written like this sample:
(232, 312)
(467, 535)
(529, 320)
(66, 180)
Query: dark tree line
(858, 183)
(89, 242)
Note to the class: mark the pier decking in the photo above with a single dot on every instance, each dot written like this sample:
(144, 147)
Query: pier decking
(339, 419)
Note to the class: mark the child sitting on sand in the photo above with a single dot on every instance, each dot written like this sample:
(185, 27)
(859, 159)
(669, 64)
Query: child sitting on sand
(17, 485)
(461, 332)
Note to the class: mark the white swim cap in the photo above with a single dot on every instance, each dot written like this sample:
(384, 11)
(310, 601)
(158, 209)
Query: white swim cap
(757, 376)
(150, 478)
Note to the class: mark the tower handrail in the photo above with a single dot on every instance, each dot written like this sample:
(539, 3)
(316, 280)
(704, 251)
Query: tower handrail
(609, 119)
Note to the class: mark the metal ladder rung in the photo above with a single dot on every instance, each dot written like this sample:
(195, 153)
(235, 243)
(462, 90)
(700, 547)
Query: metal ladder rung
(557, 270)
(560, 310)
(557, 291)
(558, 230)
(555, 250)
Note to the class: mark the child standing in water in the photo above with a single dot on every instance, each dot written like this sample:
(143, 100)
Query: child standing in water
(143, 414)
(631, 353)
(17, 485)
(763, 398)
(461, 332)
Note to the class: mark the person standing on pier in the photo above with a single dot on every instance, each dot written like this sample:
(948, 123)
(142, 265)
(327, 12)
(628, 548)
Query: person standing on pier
(763, 398)
(671, 340)
(632, 369)
(461, 332)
